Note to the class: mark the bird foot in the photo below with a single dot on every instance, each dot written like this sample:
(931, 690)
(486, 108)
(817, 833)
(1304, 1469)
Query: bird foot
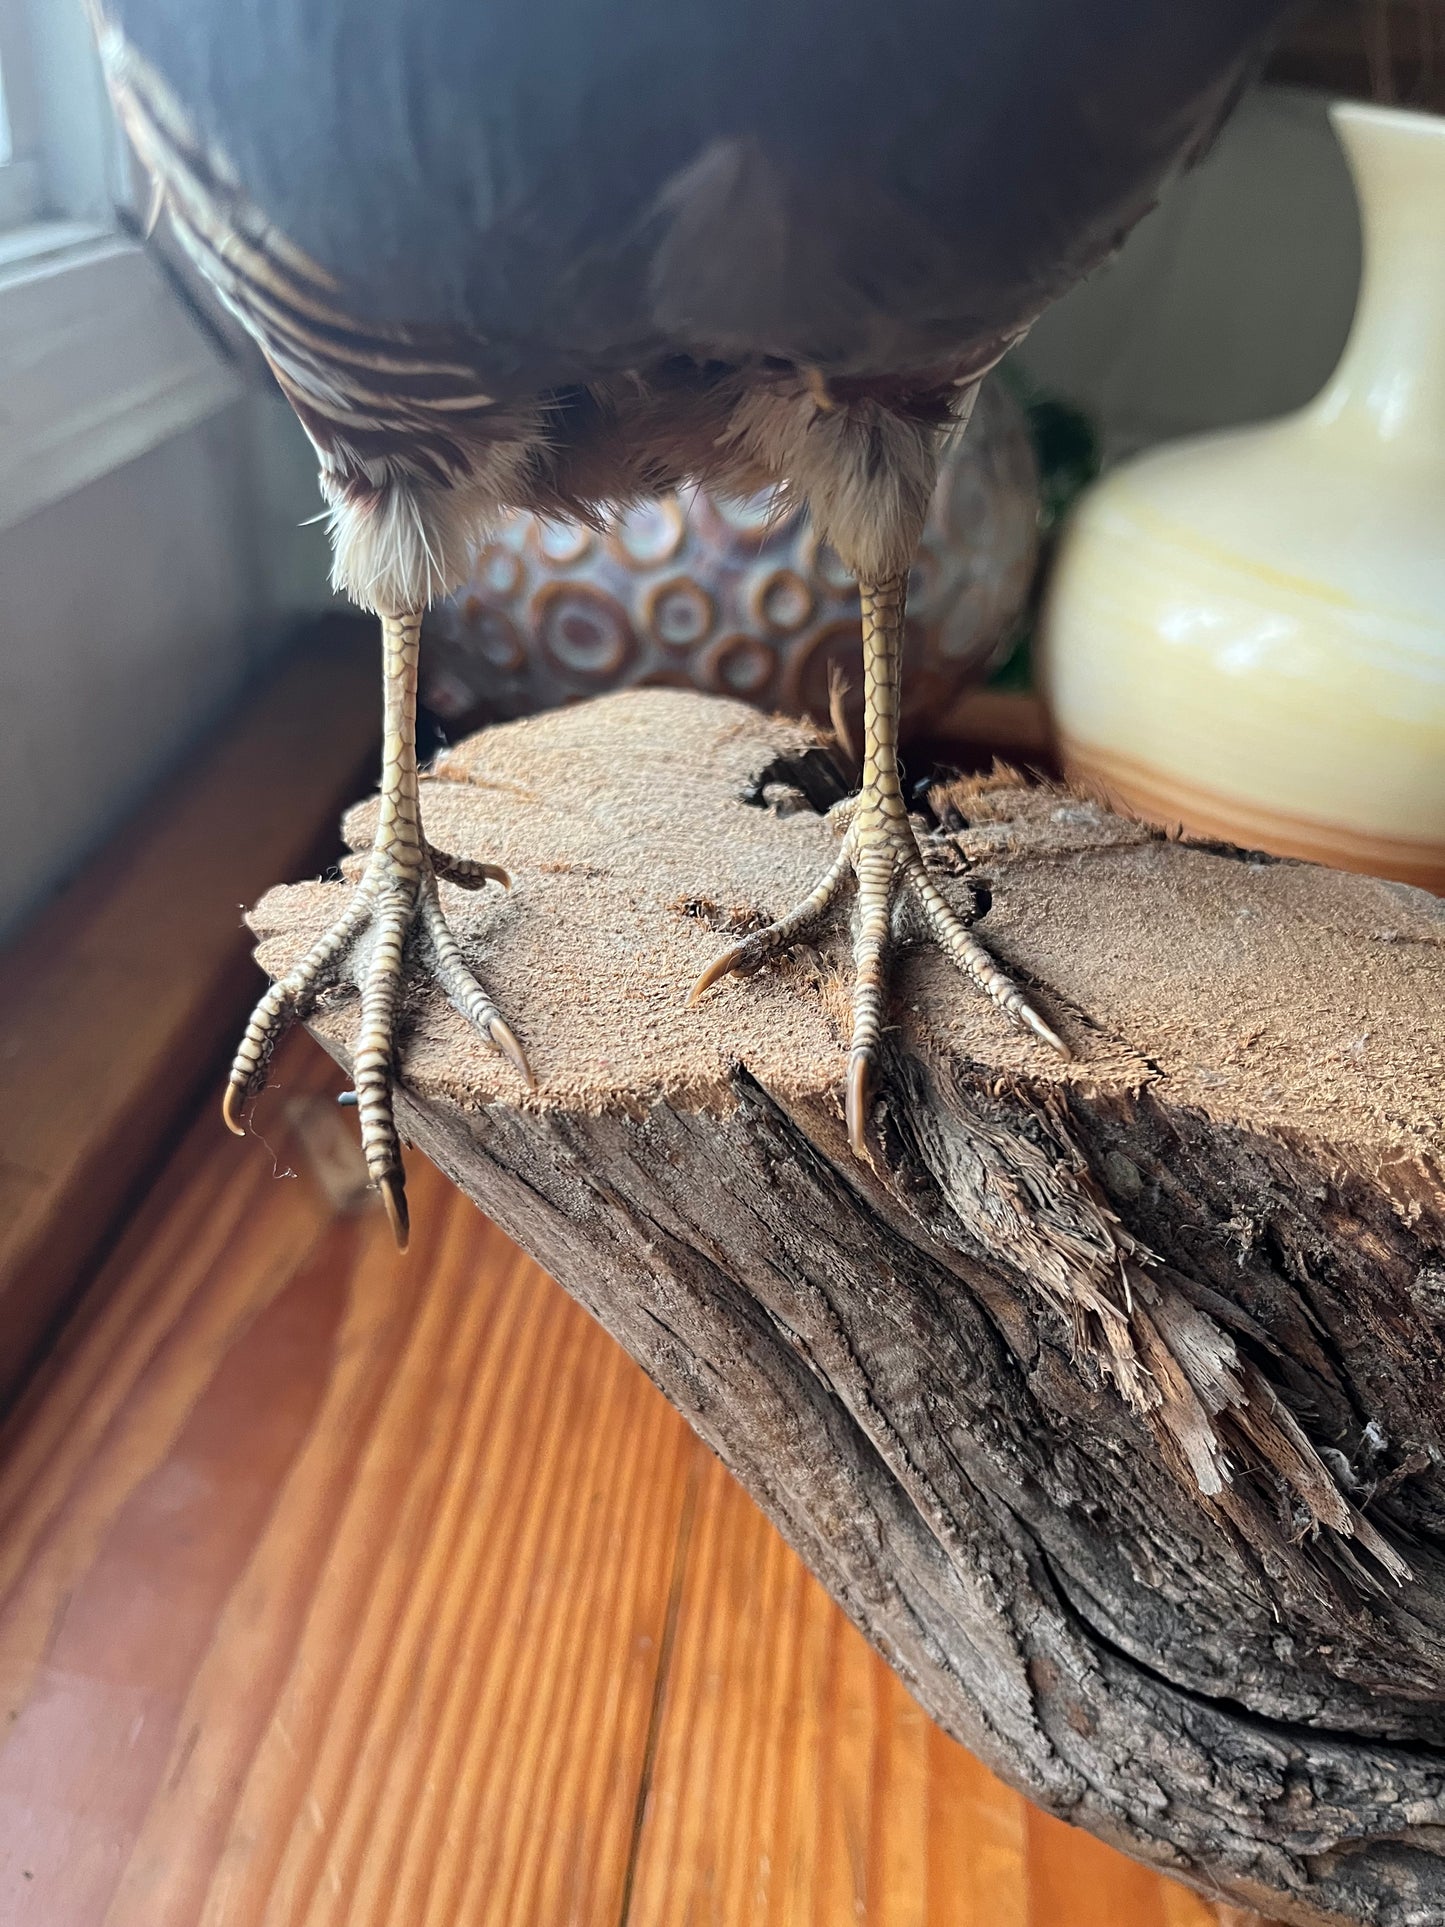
(881, 857)
(396, 899)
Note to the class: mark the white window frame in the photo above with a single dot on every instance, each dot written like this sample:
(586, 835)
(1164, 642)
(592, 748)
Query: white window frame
(99, 359)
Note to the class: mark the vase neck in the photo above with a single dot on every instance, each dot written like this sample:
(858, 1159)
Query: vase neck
(1390, 382)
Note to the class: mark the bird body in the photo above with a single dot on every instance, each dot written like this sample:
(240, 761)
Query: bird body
(555, 256)
(610, 234)
(582, 186)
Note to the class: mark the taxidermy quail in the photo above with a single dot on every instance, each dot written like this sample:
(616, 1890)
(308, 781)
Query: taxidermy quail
(559, 255)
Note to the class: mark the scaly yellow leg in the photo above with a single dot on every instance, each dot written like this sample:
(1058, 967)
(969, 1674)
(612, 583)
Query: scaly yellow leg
(396, 897)
(881, 852)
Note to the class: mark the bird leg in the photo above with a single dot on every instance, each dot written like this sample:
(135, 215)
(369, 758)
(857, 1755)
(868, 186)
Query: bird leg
(395, 899)
(880, 854)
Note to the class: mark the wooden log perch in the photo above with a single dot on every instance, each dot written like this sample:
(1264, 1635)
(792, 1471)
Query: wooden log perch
(1109, 1400)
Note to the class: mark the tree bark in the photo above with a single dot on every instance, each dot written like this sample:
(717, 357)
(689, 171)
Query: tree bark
(1108, 1399)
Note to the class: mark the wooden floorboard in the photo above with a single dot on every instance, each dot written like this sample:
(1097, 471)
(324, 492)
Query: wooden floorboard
(116, 1001)
(345, 1590)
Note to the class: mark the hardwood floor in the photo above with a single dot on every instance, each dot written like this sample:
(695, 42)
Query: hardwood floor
(344, 1590)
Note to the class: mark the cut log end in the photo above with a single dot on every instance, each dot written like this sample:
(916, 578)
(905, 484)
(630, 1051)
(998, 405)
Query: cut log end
(1107, 1397)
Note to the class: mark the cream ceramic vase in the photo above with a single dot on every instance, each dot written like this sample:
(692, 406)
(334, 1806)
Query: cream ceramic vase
(1245, 633)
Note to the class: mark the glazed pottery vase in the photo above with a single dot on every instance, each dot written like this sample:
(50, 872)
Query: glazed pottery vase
(1245, 633)
(741, 599)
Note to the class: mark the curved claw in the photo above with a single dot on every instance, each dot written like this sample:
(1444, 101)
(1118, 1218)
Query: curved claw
(1040, 1029)
(857, 1103)
(393, 1195)
(231, 1104)
(469, 874)
(505, 1040)
(719, 967)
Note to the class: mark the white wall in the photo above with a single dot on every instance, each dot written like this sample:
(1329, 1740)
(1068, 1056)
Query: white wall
(128, 620)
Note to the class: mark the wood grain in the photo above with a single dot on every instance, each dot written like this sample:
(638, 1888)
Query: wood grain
(340, 1590)
(797, 1784)
(117, 1001)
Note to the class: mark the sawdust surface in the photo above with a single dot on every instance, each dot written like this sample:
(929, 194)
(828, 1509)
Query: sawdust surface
(1275, 995)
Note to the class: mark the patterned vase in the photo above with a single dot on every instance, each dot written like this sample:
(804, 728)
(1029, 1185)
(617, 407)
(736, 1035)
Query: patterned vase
(740, 599)
(1245, 633)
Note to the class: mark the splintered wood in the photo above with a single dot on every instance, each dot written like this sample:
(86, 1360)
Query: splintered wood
(1107, 1398)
